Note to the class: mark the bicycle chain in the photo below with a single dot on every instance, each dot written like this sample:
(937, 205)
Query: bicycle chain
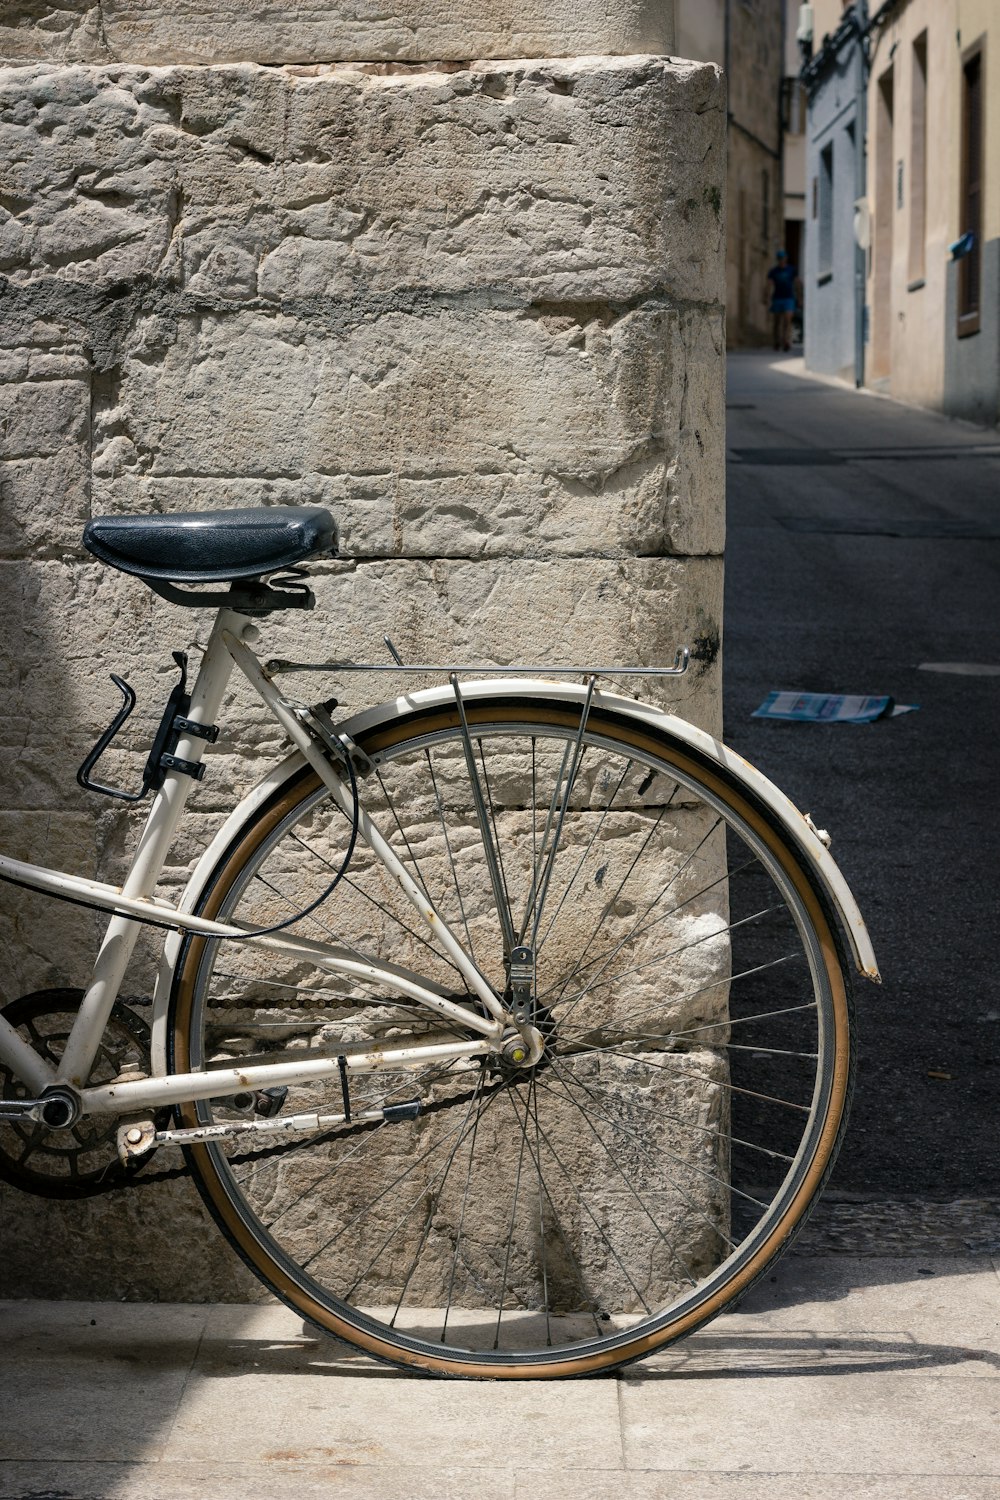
(144, 1178)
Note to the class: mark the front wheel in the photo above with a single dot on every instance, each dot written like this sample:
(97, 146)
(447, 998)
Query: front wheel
(559, 1219)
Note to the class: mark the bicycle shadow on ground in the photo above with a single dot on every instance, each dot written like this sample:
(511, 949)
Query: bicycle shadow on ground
(803, 1352)
(809, 1316)
(712, 1354)
(803, 1277)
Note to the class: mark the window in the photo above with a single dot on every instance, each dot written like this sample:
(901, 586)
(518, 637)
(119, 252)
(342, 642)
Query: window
(918, 163)
(825, 262)
(971, 191)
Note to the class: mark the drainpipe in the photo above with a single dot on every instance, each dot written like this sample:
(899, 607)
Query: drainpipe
(725, 47)
(860, 185)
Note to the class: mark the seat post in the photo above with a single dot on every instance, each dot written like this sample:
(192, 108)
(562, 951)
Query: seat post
(150, 856)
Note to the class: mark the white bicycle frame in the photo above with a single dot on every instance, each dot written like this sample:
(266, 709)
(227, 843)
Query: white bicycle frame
(134, 903)
(229, 645)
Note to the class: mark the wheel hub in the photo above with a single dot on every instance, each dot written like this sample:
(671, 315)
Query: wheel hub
(516, 1052)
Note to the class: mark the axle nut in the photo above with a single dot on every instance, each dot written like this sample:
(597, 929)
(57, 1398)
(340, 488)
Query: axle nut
(515, 1050)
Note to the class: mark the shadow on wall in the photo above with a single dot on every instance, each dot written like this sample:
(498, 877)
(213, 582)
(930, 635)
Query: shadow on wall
(972, 363)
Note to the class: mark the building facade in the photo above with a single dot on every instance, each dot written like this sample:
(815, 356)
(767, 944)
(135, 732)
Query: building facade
(914, 88)
(793, 150)
(832, 273)
(746, 37)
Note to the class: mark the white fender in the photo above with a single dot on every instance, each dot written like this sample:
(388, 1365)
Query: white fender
(801, 832)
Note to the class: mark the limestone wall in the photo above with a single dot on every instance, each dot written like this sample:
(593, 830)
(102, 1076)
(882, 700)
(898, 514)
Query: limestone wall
(475, 309)
(213, 31)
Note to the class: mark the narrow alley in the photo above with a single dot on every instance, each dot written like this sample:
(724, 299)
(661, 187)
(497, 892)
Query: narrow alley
(862, 546)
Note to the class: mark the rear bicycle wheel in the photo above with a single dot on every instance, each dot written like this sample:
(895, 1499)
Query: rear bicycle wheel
(693, 1091)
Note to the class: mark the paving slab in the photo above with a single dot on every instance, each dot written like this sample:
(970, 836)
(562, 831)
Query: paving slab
(93, 1380)
(866, 1423)
(262, 1391)
(842, 1374)
(266, 1481)
(844, 1313)
(714, 1486)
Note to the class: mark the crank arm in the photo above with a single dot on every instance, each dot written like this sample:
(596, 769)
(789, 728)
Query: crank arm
(21, 1109)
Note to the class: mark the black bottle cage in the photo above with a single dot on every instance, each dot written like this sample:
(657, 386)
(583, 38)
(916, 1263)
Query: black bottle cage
(162, 758)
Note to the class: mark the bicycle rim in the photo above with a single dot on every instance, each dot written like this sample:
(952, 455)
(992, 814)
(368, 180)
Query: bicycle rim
(692, 1097)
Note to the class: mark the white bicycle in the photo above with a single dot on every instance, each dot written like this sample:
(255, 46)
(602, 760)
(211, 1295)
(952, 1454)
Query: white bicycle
(506, 1026)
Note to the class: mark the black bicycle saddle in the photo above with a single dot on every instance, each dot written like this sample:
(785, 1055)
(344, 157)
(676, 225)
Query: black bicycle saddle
(216, 546)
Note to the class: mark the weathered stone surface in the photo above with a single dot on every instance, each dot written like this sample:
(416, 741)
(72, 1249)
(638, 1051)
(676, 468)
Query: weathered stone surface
(433, 302)
(154, 1243)
(507, 177)
(214, 31)
(45, 422)
(40, 947)
(67, 627)
(476, 312)
(453, 433)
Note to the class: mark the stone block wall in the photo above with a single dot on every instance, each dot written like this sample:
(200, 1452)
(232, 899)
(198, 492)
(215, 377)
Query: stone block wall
(214, 31)
(474, 307)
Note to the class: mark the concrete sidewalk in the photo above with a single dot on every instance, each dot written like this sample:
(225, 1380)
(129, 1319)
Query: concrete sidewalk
(875, 1377)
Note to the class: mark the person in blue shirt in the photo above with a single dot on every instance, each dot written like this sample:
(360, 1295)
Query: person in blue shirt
(784, 281)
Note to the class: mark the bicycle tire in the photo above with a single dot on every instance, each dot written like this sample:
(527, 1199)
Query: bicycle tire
(570, 1268)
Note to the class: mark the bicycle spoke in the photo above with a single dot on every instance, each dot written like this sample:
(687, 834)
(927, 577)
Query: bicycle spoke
(275, 1156)
(710, 1176)
(550, 817)
(402, 1177)
(540, 889)
(622, 1051)
(666, 1114)
(513, 1220)
(461, 1224)
(418, 873)
(571, 1256)
(387, 911)
(482, 818)
(616, 1125)
(573, 1001)
(608, 906)
(661, 958)
(704, 989)
(723, 1023)
(428, 1192)
(427, 1225)
(583, 859)
(451, 862)
(407, 1007)
(587, 1210)
(766, 1015)
(363, 1005)
(533, 1095)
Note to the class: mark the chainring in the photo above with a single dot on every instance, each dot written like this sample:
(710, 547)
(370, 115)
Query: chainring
(81, 1161)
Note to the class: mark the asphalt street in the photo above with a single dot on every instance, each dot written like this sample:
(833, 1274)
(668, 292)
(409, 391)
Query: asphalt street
(863, 543)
